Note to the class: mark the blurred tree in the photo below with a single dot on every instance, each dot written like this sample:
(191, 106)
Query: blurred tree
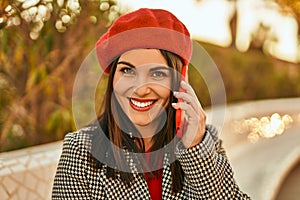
(62, 13)
(42, 46)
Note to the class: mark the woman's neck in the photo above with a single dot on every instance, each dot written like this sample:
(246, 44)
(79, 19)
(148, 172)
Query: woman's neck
(147, 132)
(148, 143)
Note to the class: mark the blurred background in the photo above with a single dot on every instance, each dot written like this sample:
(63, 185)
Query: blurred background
(254, 43)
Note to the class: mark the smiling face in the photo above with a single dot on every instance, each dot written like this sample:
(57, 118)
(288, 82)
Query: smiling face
(141, 83)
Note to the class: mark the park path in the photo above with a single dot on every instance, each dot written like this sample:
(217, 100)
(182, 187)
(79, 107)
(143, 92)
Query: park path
(261, 168)
(268, 169)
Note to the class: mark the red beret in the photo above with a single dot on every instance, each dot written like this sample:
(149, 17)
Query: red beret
(144, 28)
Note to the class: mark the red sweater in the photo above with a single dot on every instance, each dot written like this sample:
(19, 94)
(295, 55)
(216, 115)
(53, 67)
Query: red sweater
(154, 182)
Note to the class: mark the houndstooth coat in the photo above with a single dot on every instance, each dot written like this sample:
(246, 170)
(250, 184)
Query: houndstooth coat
(208, 174)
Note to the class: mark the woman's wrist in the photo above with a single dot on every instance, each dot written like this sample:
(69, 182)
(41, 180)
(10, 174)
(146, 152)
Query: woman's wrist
(196, 140)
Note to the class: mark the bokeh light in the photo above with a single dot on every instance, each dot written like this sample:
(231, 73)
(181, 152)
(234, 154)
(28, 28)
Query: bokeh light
(37, 12)
(264, 127)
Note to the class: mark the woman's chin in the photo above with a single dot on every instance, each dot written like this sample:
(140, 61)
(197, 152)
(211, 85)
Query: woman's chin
(141, 124)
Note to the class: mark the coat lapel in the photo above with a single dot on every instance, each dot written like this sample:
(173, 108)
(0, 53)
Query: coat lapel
(166, 183)
(116, 189)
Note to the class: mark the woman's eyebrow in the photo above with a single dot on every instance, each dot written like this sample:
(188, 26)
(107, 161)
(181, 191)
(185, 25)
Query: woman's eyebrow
(159, 68)
(126, 63)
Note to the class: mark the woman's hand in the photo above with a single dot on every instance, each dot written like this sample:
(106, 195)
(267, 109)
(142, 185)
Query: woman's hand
(193, 114)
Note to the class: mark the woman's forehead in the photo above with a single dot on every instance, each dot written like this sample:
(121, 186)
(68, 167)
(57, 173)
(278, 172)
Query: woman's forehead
(139, 57)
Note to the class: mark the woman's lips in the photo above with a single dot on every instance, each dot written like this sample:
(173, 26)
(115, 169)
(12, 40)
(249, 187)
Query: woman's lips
(141, 104)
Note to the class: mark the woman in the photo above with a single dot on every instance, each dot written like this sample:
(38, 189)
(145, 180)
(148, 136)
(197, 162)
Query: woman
(141, 147)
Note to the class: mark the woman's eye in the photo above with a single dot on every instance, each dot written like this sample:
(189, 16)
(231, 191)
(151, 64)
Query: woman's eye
(159, 74)
(127, 71)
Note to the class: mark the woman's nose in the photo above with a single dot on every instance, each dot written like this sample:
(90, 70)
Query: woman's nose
(142, 86)
(142, 89)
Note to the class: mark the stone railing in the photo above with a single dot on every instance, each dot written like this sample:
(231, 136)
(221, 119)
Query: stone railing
(29, 173)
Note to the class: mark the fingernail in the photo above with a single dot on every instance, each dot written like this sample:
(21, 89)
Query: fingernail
(175, 93)
(174, 104)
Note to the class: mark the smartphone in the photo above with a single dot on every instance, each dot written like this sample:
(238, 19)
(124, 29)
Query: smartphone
(180, 122)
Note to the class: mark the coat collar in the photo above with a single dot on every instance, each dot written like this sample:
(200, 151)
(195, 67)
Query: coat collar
(117, 189)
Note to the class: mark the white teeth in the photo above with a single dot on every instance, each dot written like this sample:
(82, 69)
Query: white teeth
(141, 104)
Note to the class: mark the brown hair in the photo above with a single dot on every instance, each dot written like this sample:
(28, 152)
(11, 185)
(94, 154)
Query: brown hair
(110, 125)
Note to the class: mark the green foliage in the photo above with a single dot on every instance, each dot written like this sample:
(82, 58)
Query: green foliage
(60, 121)
(36, 76)
(253, 75)
(199, 85)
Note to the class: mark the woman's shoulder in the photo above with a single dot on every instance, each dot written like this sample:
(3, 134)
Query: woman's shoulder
(76, 153)
(80, 138)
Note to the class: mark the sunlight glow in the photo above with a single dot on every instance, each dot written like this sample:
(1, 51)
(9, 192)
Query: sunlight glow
(258, 23)
(281, 30)
(209, 21)
(285, 47)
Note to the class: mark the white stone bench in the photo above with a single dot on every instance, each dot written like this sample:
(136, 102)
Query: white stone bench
(29, 173)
